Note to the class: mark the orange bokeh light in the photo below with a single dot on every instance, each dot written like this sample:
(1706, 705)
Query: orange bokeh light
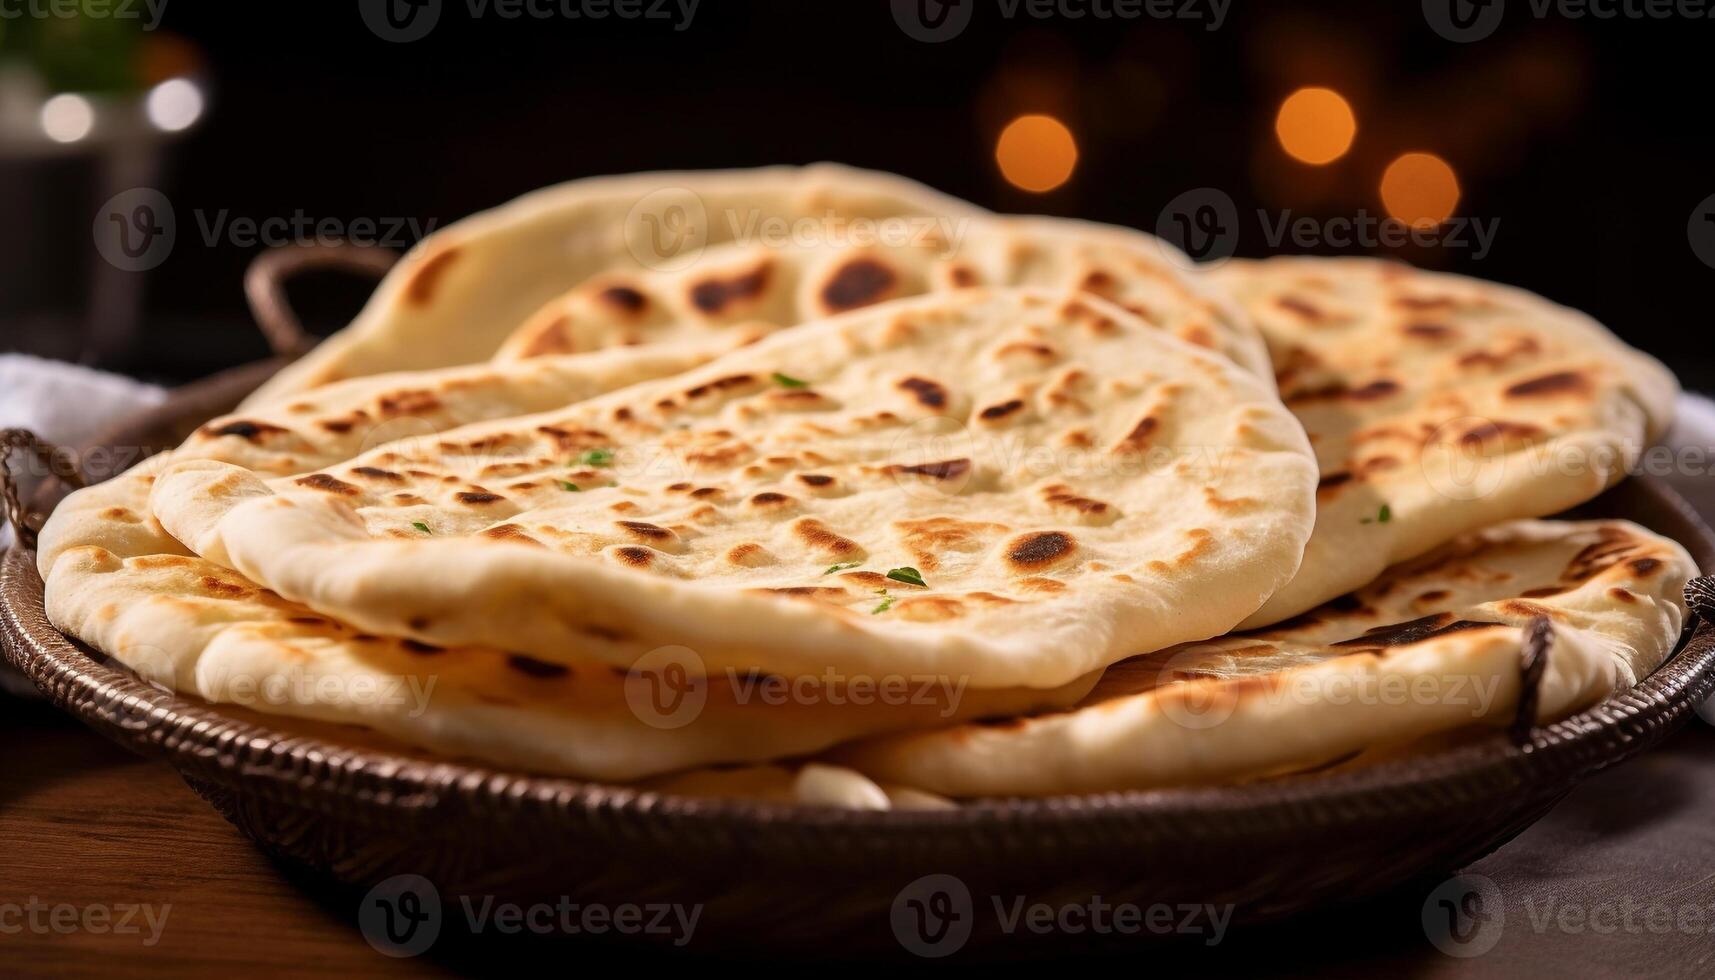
(1420, 189)
(1036, 153)
(1316, 125)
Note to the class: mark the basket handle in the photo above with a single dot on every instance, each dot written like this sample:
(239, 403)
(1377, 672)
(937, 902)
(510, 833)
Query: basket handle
(1700, 596)
(58, 462)
(1533, 665)
(265, 285)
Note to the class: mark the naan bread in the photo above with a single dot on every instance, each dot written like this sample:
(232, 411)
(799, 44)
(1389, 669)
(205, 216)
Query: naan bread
(195, 628)
(741, 284)
(813, 784)
(457, 295)
(1437, 405)
(1071, 484)
(1434, 645)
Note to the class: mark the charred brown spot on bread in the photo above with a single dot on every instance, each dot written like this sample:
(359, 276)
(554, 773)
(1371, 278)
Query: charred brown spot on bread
(714, 295)
(1060, 495)
(1502, 432)
(1092, 319)
(1435, 595)
(962, 276)
(929, 609)
(420, 648)
(1303, 307)
(1424, 302)
(625, 299)
(1218, 503)
(1002, 410)
(1557, 383)
(249, 431)
(413, 401)
(1374, 391)
(1041, 352)
(161, 561)
(221, 587)
(703, 493)
(1202, 542)
(469, 497)
(538, 669)
(817, 480)
(770, 499)
(1609, 550)
(1036, 583)
(646, 531)
(946, 469)
(377, 473)
(748, 554)
(817, 535)
(1098, 281)
(420, 288)
(553, 337)
(1415, 631)
(418, 623)
(1644, 567)
(122, 515)
(1525, 608)
(326, 483)
(1042, 549)
(859, 282)
(1424, 330)
(927, 392)
(1623, 595)
(1138, 437)
(727, 383)
(1543, 592)
(509, 532)
(825, 593)
(868, 579)
(634, 556)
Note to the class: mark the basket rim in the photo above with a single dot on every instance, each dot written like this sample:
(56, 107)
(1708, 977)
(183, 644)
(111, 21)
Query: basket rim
(238, 752)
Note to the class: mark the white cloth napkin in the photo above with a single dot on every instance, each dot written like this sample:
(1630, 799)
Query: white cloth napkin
(67, 405)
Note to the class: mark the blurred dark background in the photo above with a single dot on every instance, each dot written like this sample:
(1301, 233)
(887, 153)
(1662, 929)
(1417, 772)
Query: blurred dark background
(1579, 142)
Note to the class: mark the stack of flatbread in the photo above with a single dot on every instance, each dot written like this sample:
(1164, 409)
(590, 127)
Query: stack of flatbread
(816, 485)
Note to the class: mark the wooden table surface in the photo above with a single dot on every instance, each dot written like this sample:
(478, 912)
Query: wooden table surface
(86, 824)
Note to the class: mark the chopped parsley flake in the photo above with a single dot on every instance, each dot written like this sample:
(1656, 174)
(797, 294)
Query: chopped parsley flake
(886, 602)
(1385, 515)
(419, 525)
(569, 486)
(842, 567)
(908, 575)
(787, 381)
(596, 457)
